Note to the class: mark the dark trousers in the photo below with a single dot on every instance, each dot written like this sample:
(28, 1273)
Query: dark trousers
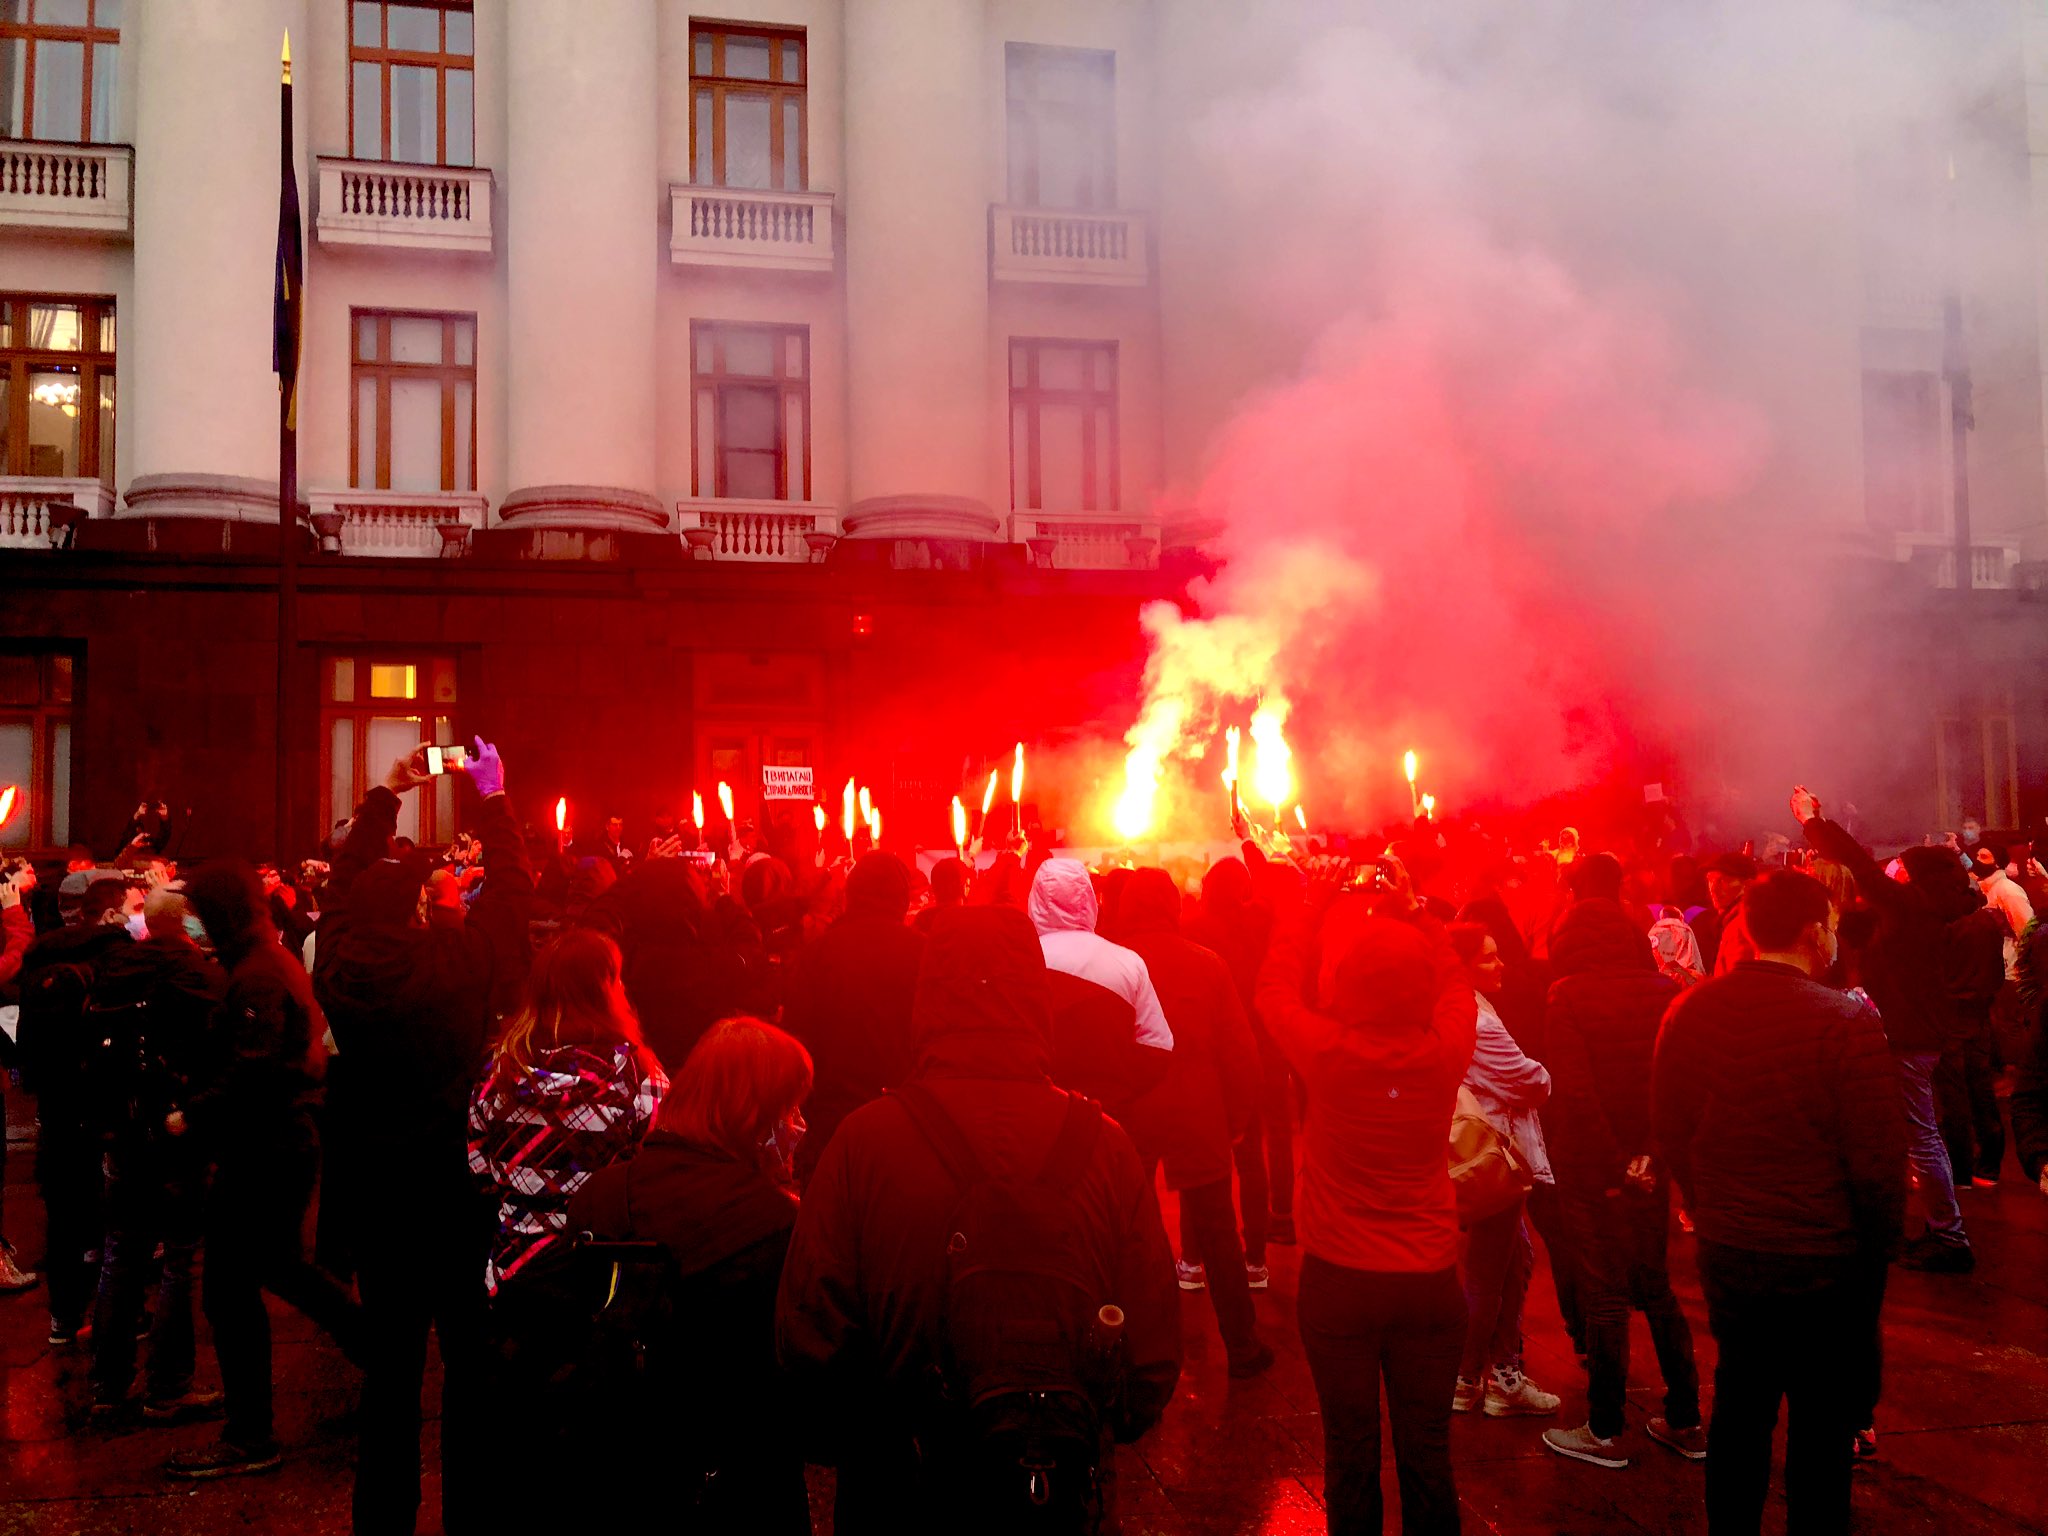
(155, 1195)
(253, 1245)
(69, 1178)
(1546, 1215)
(1248, 1157)
(1966, 1089)
(1207, 1217)
(420, 1268)
(1621, 1242)
(1498, 1263)
(1792, 1328)
(1276, 1125)
(1359, 1328)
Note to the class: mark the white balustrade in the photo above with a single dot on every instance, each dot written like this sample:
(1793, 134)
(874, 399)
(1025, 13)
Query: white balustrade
(732, 227)
(1088, 541)
(771, 532)
(1991, 559)
(26, 507)
(1042, 245)
(404, 207)
(396, 524)
(85, 188)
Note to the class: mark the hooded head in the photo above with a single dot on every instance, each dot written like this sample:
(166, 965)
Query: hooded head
(1151, 903)
(387, 894)
(1596, 935)
(1227, 888)
(1940, 876)
(229, 900)
(1063, 898)
(878, 888)
(983, 998)
(1383, 977)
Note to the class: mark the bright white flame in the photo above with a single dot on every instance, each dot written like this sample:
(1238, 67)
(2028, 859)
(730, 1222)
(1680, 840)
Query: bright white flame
(959, 823)
(1017, 776)
(725, 798)
(867, 803)
(697, 809)
(1409, 763)
(818, 816)
(1301, 818)
(988, 796)
(875, 827)
(8, 796)
(1272, 770)
(1233, 739)
(846, 811)
(1133, 813)
(1429, 805)
(562, 813)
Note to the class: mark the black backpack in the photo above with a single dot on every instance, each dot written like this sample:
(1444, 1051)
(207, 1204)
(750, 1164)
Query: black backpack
(50, 1033)
(129, 1085)
(1020, 1441)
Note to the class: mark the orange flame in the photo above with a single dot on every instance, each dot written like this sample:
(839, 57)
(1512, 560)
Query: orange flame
(1429, 806)
(725, 799)
(988, 796)
(1272, 770)
(846, 809)
(1409, 763)
(1017, 776)
(867, 803)
(875, 826)
(959, 824)
(818, 816)
(562, 814)
(697, 809)
(1232, 740)
(1301, 818)
(8, 797)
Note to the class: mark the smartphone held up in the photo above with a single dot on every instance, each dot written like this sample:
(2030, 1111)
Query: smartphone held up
(442, 760)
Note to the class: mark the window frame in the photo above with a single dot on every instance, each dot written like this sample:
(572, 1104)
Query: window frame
(385, 57)
(777, 90)
(1021, 116)
(42, 717)
(718, 380)
(384, 371)
(1981, 719)
(1034, 395)
(92, 35)
(434, 804)
(92, 365)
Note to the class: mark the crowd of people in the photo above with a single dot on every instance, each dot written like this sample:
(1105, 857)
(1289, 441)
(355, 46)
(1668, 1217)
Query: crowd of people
(698, 1170)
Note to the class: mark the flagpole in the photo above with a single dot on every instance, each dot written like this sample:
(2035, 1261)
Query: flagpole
(287, 460)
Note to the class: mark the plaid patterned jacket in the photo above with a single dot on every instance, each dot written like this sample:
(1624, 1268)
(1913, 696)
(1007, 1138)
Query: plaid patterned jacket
(539, 1137)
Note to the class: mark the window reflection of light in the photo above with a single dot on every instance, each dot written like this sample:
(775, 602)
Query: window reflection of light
(56, 392)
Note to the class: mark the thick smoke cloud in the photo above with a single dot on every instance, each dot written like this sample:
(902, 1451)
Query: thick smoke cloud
(1539, 441)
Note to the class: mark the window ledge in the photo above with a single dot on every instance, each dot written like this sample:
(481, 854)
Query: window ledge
(1068, 245)
(1087, 541)
(78, 188)
(733, 227)
(33, 507)
(768, 532)
(404, 207)
(400, 524)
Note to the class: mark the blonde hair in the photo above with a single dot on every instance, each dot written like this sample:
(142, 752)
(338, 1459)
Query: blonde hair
(574, 997)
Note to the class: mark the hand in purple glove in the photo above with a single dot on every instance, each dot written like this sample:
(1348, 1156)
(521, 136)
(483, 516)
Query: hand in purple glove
(486, 770)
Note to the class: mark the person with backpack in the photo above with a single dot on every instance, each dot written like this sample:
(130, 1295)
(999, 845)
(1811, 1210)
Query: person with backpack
(712, 1187)
(146, 1024)
(1382, 1050)
(56, 985)
(979, 1294)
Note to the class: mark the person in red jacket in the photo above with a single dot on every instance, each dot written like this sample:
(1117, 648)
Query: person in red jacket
(1204, 1105)
(858, 1312)
(1380, 1301)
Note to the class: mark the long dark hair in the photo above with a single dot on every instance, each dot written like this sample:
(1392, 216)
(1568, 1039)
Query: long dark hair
(574, 997)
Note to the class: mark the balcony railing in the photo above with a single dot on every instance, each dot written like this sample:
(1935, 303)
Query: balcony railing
(770, 532)
(1087, 541)
(404, 207)
(1991, 559)
(78, 187)
(31, 510)
(394, 523)
(728, 227)
(1040, 245)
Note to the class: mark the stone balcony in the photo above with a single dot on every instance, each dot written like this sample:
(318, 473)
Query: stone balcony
(732, 227)
(395, 523)
(1992, 559)
(403, 207)
(765, 532)
(1057, 245)
(72, 188)
(35, 513)
(1087, 541)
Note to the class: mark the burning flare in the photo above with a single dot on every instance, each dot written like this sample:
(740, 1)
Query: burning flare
(725, 799)
(1301, 818)
(561, 815)
(1233, 739)
(846, 812)
(959, 825)
(1272, 769)
(1409, 763)
(697, 810)
(818, 818)
(867, 803)
(1017, 776)
(8, 796)
(988, 796)
(1429, 806)
(875, 827)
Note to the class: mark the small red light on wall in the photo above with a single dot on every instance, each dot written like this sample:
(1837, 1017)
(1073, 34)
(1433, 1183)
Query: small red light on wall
(863, 624)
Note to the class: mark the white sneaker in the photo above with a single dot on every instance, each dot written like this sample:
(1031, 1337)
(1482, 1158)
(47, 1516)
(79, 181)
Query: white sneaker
(12, 1276)
(1258, 1277)
(1192, 1277)
(1467, 1395)
(1511, 1394)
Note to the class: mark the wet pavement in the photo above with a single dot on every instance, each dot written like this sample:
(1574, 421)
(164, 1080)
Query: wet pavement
(1963, 1430)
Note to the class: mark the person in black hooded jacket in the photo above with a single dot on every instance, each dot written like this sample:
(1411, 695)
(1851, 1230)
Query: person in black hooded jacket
(710, 1184)
(849, 999)
(412, 1002)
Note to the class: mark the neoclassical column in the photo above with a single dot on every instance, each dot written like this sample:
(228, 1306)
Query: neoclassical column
(582, 202)
(197, 399)
(917, 198)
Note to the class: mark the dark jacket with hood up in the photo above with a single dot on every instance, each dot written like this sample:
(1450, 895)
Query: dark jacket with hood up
(1908, 967)
(857, 1319)
(1211, 1087)
(848, 999)
(413, 1006)
(1601, 1026)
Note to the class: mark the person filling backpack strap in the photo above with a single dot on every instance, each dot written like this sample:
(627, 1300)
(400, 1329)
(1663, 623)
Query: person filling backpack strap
(1026, 1377)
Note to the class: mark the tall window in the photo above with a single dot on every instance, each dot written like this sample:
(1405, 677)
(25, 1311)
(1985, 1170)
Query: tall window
(412, 82)
(59, 68)
(751, 433)
(1063, 448)
(747, 108)
(374, 709)
(1062, 127)
(1977, 764)
(35, 746)
(1902, 490)
(57, 387)
(414, 406)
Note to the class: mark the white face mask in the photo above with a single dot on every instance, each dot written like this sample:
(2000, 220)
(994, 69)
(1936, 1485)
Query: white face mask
(137, 926)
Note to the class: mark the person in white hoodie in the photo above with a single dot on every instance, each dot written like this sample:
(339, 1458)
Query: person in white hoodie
(1063, 910)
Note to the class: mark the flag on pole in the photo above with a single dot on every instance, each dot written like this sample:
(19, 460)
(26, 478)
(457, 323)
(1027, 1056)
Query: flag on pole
(289, 297)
